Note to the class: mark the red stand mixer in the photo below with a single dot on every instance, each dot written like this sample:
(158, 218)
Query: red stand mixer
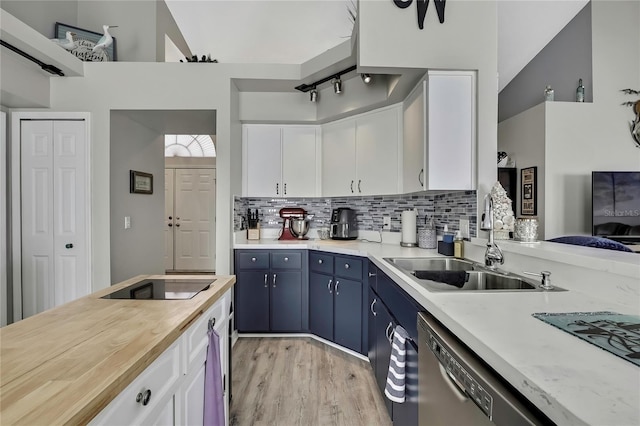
(295, 225)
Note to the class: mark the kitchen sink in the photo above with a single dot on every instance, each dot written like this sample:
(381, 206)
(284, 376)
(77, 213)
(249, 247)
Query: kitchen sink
(449, 274)
(430, 263)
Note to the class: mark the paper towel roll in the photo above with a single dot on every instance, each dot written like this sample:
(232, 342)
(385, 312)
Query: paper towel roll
(409, 232)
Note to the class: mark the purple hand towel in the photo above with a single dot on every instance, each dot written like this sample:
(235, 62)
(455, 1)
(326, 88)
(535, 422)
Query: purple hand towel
(213, 396)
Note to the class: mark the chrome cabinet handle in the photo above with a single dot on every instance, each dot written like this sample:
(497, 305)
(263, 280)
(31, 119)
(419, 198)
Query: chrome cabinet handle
(274, 280)
(286, 259)
(371, 307)
(352, 186)
(359, 181)
(387, 332)
(420, 177)
(212, 323)
(336, 287)
(320, 261)
(253, 259)
(371, 274)
(346, 266)
(144, 397)
(265, 280)
(329, 286)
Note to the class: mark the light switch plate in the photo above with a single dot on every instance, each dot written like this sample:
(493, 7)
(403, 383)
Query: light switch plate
(464, 228)
(386, 222)
(127, 222)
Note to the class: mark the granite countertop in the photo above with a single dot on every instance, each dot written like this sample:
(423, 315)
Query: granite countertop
(569, 380)
(64, 365)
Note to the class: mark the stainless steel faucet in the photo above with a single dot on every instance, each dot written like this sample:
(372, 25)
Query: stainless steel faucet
(493, 255)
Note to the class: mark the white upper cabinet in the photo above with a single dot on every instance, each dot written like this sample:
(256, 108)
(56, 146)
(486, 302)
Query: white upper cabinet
(339, 158)
(280, 161)
(415, 140)
(360, 155)
(440, 133)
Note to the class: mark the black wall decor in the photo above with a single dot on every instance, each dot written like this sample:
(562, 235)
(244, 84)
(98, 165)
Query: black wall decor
(421, 7)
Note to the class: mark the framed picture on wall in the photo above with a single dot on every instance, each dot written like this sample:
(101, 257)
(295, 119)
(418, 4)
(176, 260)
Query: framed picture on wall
(85, 40)
(528, 191)
(140, 182)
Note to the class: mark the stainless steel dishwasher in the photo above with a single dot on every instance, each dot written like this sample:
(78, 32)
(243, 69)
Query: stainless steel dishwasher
(456, 388)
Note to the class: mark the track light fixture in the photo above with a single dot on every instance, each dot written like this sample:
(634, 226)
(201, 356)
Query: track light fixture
(366, 78)
(335, 81)
(337, 85)
(313, 95)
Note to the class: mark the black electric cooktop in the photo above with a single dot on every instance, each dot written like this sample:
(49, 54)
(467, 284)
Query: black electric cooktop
(161, 289)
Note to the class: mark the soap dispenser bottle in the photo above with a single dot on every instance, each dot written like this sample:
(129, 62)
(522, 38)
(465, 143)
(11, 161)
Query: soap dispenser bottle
(458, 246)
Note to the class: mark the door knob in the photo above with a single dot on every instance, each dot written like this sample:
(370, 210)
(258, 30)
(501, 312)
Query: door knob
(178, 225)
(69, 245)
(170, 218)
(170, 225)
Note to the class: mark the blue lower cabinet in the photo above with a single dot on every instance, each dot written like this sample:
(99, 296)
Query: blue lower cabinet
(335, 312)
(383, 326)
(347, 314)
(271, 299)
(385, 313)
(338, 299)
(252, 300)
(286, 301)
(321, 305)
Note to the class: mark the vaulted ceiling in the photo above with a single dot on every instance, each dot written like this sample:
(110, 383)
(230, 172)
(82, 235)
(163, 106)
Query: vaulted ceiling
(294, 31)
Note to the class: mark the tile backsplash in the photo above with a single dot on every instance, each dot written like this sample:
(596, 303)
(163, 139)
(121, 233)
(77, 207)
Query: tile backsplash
(446, 208)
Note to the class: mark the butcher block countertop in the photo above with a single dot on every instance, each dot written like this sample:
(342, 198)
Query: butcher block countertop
(64, 365)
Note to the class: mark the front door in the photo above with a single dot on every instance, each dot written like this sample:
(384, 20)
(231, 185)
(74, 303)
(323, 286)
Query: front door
(192, 223)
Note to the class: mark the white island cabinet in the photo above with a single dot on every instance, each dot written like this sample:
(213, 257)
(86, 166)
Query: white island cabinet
(280, 160)
(170, 391)
(440, 133)
(361, 154)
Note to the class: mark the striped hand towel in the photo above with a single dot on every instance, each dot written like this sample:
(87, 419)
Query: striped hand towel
(394, 389)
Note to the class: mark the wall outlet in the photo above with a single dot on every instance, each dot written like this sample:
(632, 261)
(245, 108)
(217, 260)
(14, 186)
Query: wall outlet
(464, 228)
(127, 222)
(386, 223)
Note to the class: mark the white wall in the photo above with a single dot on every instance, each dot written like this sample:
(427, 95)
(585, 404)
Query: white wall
(42, 15)
(389, 37)
(22, 83)
(581, 138)
(523, 138)
(140, 249)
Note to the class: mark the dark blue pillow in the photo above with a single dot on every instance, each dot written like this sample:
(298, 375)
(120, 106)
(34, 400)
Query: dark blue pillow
(596, 242)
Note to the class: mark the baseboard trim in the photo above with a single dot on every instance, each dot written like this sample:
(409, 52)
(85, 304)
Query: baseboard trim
(313, 336)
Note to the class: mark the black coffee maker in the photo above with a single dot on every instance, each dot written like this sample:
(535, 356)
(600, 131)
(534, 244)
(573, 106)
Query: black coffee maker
(343, 224)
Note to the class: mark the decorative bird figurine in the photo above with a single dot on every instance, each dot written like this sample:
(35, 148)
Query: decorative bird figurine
(105, 41)
(68, 43)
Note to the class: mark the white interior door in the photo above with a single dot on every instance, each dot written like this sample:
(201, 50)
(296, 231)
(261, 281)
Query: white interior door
(3, 220)
(194, 229)
(168, 219)
(54, 243)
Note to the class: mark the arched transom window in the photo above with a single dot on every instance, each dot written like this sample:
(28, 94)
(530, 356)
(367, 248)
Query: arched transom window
(189, 146)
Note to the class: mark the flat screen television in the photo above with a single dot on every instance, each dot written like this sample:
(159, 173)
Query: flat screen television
(616, 205)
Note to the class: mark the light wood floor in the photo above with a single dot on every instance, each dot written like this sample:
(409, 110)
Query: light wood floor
(300, 381)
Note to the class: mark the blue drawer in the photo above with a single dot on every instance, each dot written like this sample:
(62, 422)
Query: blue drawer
(253, 260)
(401, 306)
(348, 267)
(286, 260)
(321, 263)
